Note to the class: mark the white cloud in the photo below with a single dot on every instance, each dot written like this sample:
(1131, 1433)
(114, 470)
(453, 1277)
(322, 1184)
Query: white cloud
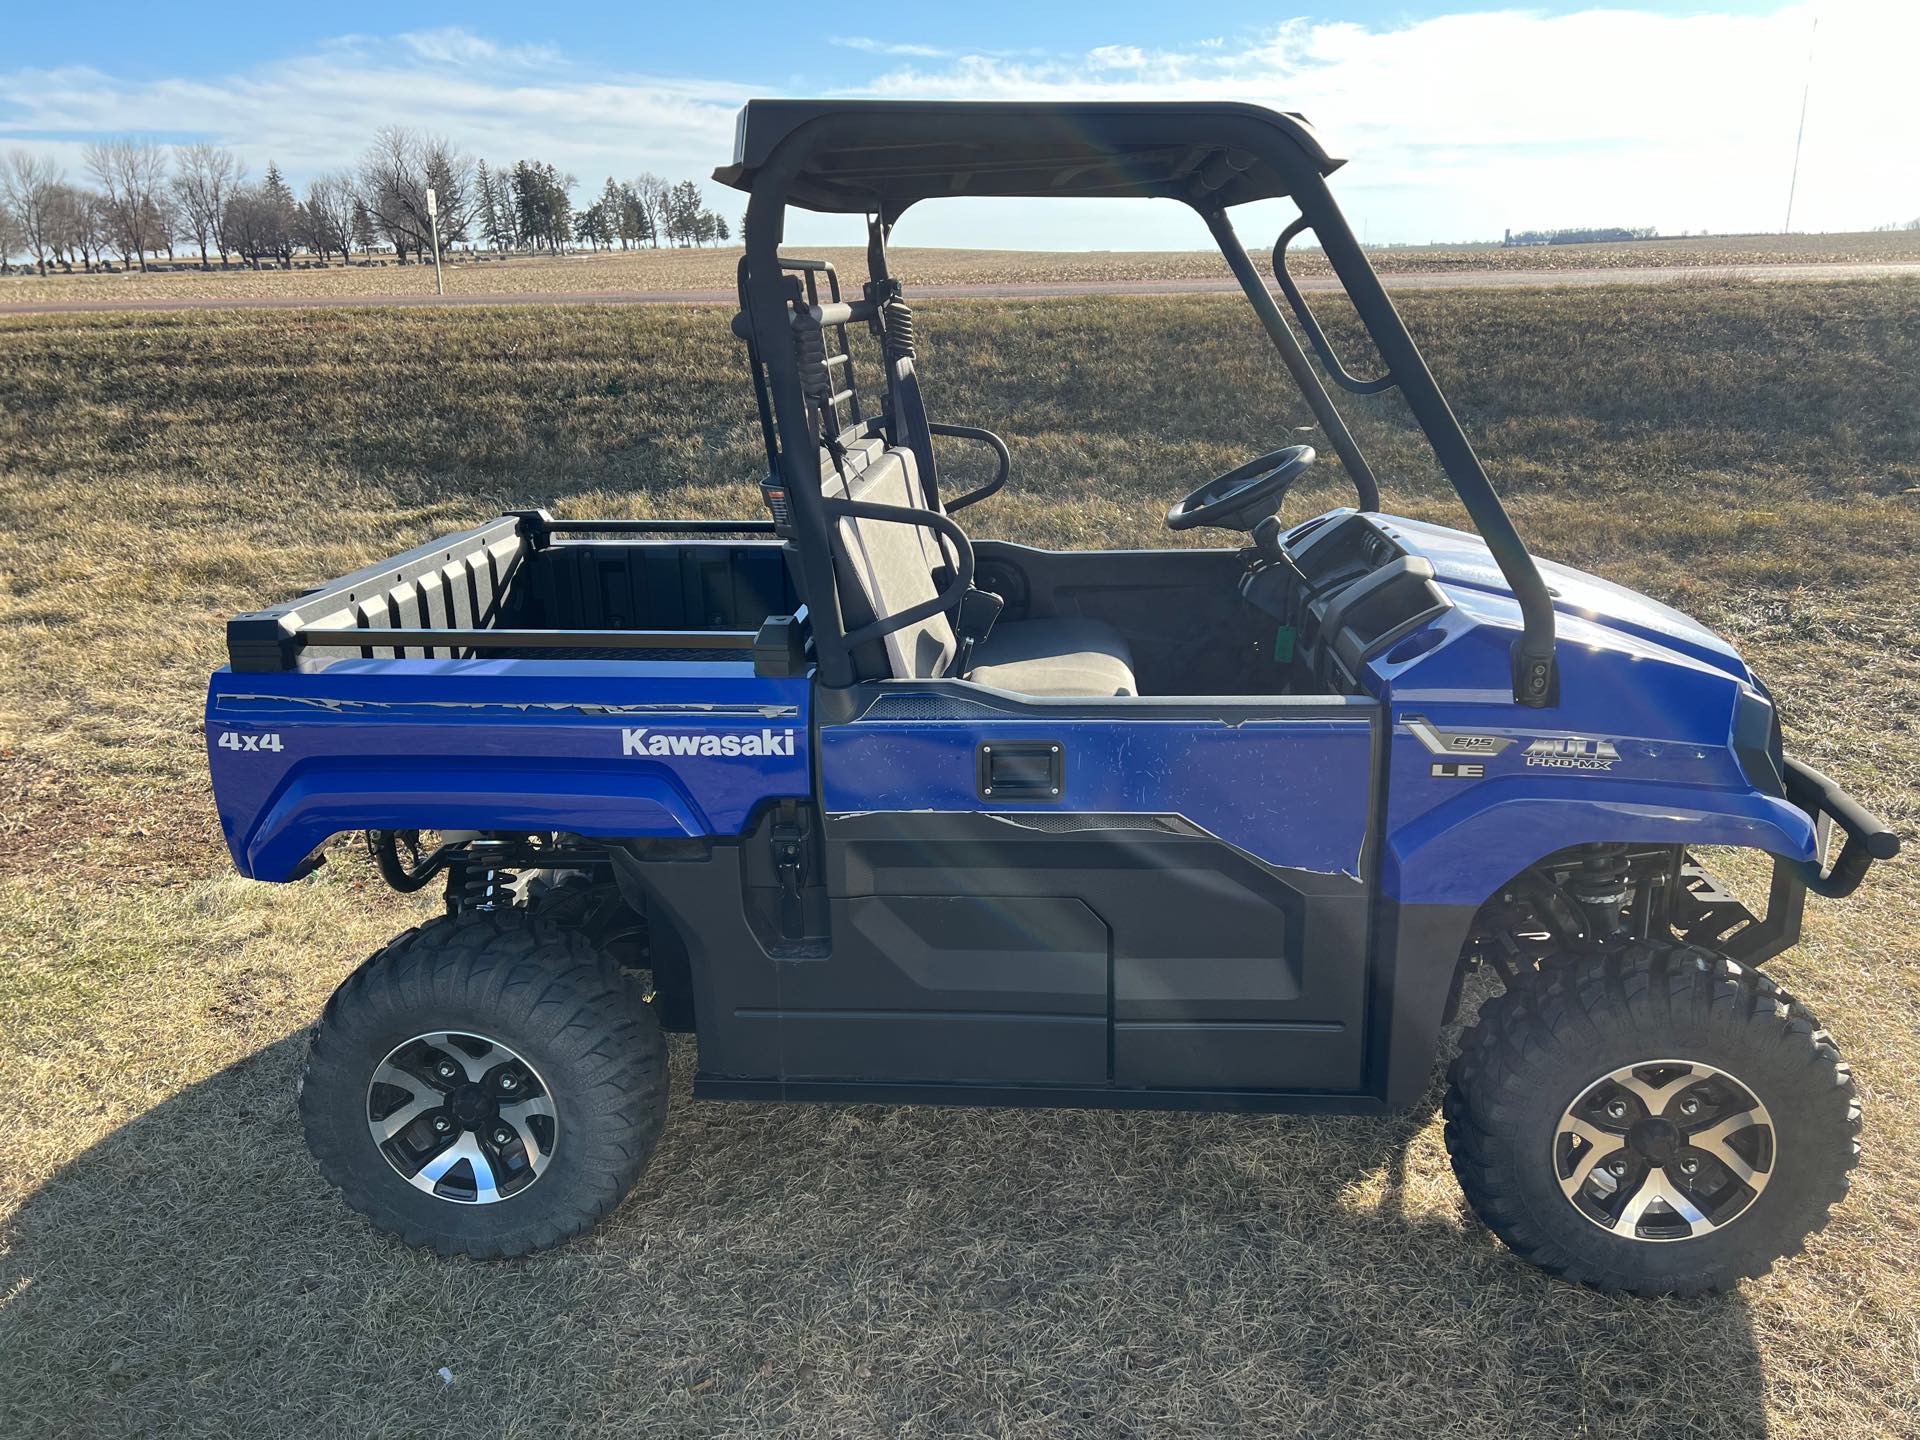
(868, 45)
(450, 45)
(1457, 126)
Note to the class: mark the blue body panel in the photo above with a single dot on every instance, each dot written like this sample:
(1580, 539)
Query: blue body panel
(1291, 792)
(547, 745)
(1667, 714)
(530, 745)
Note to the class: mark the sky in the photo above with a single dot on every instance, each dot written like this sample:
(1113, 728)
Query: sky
(1459, 119)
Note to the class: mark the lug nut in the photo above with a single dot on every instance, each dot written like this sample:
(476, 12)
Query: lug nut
(1616, 1110)
(503, 1136)
(1690, 1106)
(445, 1070)
(509, 1081)
(1618, 1167)
(442, 1124)
(1689, 1167)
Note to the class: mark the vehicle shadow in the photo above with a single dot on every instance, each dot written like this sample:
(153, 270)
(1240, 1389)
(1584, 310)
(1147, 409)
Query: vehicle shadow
(838, 1271)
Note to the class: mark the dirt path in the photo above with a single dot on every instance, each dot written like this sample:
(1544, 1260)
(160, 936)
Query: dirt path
(1408, 280)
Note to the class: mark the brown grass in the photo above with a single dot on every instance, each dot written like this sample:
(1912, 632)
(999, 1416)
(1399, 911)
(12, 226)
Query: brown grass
(713, 270)
(175, 1266)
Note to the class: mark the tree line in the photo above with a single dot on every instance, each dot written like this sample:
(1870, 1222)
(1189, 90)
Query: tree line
(1588, 236)
(145, 200)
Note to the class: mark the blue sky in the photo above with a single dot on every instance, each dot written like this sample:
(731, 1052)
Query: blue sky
(1460, 118)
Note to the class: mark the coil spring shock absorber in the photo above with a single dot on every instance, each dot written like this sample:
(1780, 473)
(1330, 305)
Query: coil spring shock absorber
(1600, 887)
(479, 881)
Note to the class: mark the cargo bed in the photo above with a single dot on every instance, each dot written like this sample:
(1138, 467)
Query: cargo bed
(523, 587)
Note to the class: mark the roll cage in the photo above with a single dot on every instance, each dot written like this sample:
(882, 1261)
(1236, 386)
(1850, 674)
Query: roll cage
(877, 158)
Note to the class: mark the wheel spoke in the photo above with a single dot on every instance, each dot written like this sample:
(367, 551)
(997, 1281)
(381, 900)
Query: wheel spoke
(1583, 1169)
(1713, 1141)
(1677, 1201)
(424, 1097)
(1627, 1222)
(466, 1148)
(528, 1106)
(1599, 1145)
(400, 1119)
(476, 1068)
(529, 1141)
(1656, 1097)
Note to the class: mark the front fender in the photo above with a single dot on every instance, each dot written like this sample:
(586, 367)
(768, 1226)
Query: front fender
(1463, 850)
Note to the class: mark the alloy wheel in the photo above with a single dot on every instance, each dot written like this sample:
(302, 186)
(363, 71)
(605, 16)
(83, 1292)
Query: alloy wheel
(1664, 1150)
(462, 1117)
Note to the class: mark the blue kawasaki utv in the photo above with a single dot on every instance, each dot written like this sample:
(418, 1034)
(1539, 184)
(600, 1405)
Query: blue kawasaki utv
(883, 813)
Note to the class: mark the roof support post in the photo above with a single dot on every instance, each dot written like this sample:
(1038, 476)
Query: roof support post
(1294, 357)
(1536, 679)
(763, 294)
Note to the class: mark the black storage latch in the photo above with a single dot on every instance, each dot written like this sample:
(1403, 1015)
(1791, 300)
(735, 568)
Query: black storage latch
(788, 837)
(1021, 770)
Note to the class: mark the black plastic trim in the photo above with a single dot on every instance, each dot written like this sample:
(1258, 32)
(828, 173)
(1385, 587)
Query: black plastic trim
(1064, 1097)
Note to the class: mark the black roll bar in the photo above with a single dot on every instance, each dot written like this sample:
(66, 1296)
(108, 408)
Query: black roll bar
(994, 443)
(1318, 337)
(1211, 157)
(1536, 678)
(945, 598)
(1294, 358)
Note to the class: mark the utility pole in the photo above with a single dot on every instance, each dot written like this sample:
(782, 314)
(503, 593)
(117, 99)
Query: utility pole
(1801, 134)
(433, 223)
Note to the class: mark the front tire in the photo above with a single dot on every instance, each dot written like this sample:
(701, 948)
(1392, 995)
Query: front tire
(1656, 1119)
(487, 1085)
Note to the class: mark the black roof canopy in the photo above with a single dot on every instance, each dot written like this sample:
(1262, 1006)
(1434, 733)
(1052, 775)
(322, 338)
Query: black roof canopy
(873, 156)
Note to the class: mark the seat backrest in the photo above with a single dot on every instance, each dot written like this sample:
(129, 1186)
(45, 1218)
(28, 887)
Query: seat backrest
(887, 566)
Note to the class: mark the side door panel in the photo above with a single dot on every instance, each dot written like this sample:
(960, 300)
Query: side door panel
(1190, 911)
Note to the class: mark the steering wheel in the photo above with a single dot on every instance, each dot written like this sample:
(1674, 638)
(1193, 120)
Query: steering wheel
(1245, 495)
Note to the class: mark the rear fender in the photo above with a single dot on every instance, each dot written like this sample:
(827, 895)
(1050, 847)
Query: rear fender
(321, 799)
(633, 750)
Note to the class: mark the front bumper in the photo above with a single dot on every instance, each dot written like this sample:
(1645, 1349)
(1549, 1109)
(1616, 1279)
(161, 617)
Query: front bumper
(1867, 837)
(1706, 913)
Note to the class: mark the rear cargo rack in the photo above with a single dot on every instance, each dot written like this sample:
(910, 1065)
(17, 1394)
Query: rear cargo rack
(371, 637)
(528, 586)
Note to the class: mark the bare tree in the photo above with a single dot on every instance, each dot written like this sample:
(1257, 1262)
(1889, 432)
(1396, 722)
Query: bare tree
(255, 224)
(168, 216)
(74, 227)
(131, 175)
(652, 191)
(204, 179)
(395, 175)
(13, 240)
(29, 184)
(89, 227)
(329, 207)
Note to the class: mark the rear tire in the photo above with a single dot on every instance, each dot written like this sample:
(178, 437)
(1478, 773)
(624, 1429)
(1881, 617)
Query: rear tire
(496, 1037)
(1656, 1119)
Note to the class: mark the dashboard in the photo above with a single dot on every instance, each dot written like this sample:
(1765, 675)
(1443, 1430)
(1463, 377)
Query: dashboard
(1346, 589)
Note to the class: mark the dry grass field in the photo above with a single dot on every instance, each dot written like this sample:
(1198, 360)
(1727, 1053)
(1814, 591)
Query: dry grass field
(694, 270)
(173, 1264)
